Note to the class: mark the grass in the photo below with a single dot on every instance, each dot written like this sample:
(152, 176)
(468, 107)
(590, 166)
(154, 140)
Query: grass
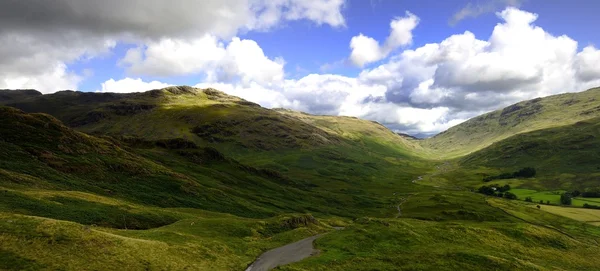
(196, 243)
(591, 216)
(182, 178)
(409, 244)
(541, 113)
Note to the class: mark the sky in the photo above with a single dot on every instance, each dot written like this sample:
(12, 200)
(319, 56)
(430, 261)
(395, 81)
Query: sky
(418, 67)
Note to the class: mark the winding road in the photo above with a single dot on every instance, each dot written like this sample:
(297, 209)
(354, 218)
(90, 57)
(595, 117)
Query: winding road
(398, 206)
(289, 253)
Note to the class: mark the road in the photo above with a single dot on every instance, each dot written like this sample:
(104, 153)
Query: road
(290, 253)
(403, 200)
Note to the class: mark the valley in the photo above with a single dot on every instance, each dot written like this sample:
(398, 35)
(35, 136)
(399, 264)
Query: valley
(182, 178)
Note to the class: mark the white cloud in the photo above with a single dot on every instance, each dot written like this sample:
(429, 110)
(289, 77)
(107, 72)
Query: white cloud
(127, 85)
(366, 50)
(52, 80)
(241, 60)
(430, 88)
(423, 90)
(27, 63)
(63, 32)
(174, 56)
(587, 64)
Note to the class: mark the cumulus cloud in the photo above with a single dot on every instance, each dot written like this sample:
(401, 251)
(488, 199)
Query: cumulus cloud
(42, 38)
(466, 76)
(587, 64)
(366, 50)
(27, 63)
(433, 87)
(240, 60)
(127, 85)
(422, 90)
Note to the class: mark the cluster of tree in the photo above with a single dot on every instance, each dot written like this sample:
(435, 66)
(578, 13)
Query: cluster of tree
(498, 191)
(566, 198)
(527, 172)
(530, 199)
(591, 192)
(585, 205)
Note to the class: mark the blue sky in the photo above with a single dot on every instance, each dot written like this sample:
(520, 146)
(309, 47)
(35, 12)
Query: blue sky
(306, 47)
(325, 57)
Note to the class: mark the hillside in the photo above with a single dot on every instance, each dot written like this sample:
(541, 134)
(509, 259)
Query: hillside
(355, 153)
(565, 157)
(176, 112)
(183, 178)
(540, 113)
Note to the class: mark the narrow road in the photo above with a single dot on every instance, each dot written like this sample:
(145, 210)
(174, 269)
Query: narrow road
(290, 253)
(398, 207)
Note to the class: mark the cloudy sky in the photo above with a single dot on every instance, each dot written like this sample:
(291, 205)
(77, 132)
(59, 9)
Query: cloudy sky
(416, 66)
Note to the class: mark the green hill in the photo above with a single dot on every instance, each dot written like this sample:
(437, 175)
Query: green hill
(183, 178)
(526, 116)
(565, 158)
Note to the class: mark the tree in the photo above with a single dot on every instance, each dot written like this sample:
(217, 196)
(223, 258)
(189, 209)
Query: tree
(504, 188)
(488, 190)
(566, 198)
(509, 195)
(527, 172)
(548, 202)
(576, 193)
(528, 199)
(541, 202)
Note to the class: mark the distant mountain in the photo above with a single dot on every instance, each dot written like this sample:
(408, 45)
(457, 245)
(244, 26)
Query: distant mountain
(526, 116)
(8, 95)
(202, 116)
(566, 157)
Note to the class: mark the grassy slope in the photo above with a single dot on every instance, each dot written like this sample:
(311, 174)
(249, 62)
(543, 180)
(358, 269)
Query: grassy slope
(540, 113)
(324, 165)
(520, 238)
(360, 160)
(38, 151)
(197, 241)
(51, 174)
(565, 157)
(203, 116)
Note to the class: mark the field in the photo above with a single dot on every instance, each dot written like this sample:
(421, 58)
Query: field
(591, 216)
(552, 196)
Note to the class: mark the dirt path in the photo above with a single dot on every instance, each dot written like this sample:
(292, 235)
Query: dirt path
(398, 207)
(290, 253)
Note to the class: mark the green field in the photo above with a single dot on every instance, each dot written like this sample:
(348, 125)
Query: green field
(591, 216)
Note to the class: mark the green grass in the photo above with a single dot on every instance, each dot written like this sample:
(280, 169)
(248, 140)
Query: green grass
(591, 216)
(215, 242)
(552, 196)
(524, 238)
(541, 113)
(182, 178)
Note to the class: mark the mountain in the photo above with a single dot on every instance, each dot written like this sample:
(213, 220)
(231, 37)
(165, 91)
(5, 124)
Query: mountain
(184, 178)
(526, 116)
(565, 157)
(334, 154)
